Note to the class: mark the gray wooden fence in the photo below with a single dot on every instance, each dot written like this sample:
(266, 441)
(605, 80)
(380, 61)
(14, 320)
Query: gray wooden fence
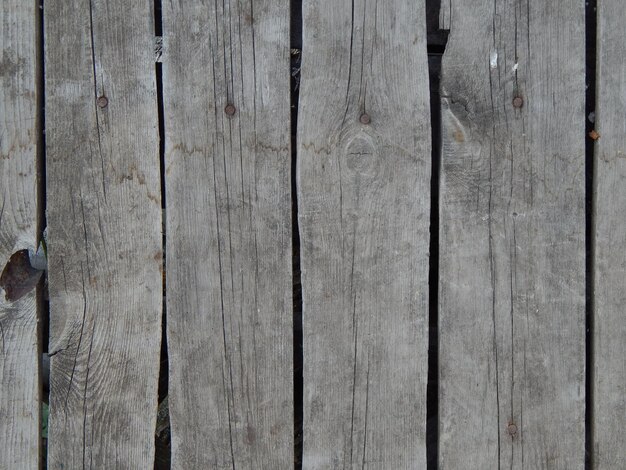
(176, 200)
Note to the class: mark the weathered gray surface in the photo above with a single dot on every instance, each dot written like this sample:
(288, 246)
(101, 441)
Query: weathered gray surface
(229, 312)
(104, 220)
(19, 375)
(364, 201)
(445, 13)
(609, 367)
(512, 270)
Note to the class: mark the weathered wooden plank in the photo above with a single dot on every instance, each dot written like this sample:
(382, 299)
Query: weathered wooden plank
(229, 321)
(512, 264)
(609, 367)
(19, 370)
(364, 202)
(445, 14)
(104, 221)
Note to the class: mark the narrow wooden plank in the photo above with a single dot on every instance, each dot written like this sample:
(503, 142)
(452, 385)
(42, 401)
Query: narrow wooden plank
(229, 284)
(364, 202)
(19, 370)
(104, 221)
(445, 14)
(512, 246)
(609, 367)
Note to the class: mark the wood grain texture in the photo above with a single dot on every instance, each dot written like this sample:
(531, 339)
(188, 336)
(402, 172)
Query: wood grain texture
(512, 243)
(364, 202)
(19, 370)
(229, 282)
(609, 367)
(104, 221)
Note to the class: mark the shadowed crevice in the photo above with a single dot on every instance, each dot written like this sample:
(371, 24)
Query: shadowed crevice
(590, 106)
(436, 44)
(162, 459)
(298, 380)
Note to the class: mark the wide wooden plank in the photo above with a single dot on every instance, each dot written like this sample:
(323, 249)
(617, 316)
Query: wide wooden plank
(609, 272)
(229, 312)
(19, 373)
(364, 201)
(104, 221)
(512, 238)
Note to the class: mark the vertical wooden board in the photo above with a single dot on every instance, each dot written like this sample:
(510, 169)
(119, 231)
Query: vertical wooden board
(229, 283)
(104, 221)
(19, 370)
(364, 203)
(512, 237)
(445, 14)
(609, 368)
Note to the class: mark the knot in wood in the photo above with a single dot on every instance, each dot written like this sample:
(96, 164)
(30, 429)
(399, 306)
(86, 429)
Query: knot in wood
(512, 429)
(360, 154)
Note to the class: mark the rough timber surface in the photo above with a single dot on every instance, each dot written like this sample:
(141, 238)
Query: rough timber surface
(445, 13)
(104, 221)
(19, 375)
(609, 367)
(229, 283)
(364, 203)
(512, 244)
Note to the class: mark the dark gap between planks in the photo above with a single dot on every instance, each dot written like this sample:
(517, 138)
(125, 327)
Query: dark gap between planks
(432, 387)
(41, 172)
(162, 457)
(43, 306)
(590, 106)
(436, 44)
(298, 379)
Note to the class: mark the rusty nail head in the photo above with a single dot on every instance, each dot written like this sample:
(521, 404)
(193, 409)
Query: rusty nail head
(512, 429)
(102, 101)
(518, 102)
(365, 118)
(229, 109)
